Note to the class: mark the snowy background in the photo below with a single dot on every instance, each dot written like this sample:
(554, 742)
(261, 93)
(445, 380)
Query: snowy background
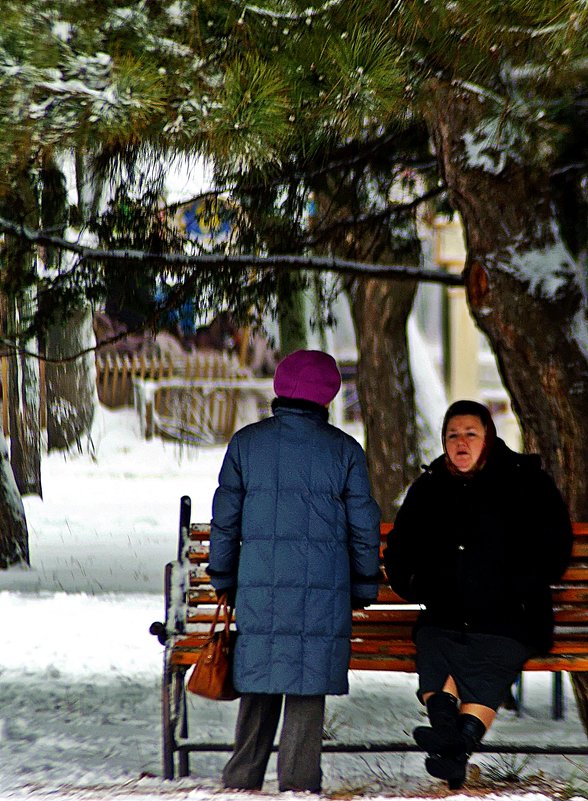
(80, 675)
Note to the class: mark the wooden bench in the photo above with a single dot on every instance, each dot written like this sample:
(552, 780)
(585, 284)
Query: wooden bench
(381, 640)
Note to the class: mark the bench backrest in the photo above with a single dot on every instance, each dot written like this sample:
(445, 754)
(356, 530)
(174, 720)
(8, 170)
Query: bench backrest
(381, 634)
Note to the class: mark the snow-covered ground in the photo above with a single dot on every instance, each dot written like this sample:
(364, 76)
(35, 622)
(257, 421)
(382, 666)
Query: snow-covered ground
(80, 674)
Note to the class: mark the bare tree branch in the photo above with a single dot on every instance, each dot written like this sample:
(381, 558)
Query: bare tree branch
(284, 262)
(392, 211)
(9, 346)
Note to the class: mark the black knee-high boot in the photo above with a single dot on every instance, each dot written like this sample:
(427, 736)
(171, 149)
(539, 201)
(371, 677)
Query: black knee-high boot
(453, 768)
(443, 735)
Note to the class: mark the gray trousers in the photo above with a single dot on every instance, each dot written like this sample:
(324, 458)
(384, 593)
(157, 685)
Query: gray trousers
(299, 750)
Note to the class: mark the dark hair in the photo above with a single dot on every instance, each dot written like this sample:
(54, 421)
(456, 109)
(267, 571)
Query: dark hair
(469, 407)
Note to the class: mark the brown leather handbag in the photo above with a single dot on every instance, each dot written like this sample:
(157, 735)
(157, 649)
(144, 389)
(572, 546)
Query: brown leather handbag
(212, 676)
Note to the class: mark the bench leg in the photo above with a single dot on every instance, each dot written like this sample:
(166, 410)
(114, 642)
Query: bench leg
(168, 739)
(558, 698)
(175, 721)
(519, 695)
(182, 723)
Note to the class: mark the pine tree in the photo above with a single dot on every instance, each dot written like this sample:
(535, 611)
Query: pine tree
(282, 88)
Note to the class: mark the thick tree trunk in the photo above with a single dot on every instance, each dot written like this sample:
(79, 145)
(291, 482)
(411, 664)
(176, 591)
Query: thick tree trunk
(380, 310)
(24, 385)
(525, 292)
(70, 385)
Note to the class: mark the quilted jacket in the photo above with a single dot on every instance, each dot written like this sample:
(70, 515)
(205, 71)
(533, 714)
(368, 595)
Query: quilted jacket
(296, 530)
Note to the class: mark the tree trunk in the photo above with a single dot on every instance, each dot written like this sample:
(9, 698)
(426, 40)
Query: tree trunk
(14, 538)
(70, 385)
(24, 385)
(525, 291)
(24, 411)
(380, 310)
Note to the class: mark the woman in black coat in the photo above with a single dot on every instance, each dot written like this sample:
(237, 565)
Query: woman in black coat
(478, 540)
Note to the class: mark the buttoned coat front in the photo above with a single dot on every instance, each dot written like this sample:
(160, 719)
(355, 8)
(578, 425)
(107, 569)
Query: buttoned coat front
(296, 531)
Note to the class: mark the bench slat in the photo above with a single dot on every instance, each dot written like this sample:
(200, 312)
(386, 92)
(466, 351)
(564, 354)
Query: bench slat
(400, 653)
(576, 573)
(580, 529)
(402, 664)
(567, 616)
(570, 596)
(198, 530)
(407, 664)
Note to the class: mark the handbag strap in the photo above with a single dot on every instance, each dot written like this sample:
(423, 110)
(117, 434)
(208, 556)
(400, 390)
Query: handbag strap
(222, 606)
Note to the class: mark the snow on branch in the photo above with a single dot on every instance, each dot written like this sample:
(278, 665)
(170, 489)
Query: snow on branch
(546, 30)
(483, 92)
(285, 262)
(290, 16)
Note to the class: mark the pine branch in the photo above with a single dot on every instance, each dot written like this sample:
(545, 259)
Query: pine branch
(284, 262)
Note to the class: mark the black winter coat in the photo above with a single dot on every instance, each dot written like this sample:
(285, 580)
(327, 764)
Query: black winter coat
(480, 553)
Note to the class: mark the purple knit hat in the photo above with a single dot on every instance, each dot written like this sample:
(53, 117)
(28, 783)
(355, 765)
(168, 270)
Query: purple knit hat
(308, 375)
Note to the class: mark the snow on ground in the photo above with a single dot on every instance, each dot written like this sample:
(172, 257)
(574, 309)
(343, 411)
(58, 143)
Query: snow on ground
(80, 674)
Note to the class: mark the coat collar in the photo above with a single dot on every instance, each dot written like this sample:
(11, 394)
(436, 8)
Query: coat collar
(280, 403)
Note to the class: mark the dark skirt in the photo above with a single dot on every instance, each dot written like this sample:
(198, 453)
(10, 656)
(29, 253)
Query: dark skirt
(483, 666)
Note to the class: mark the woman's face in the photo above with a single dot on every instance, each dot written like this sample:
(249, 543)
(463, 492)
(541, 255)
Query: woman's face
(464, 441)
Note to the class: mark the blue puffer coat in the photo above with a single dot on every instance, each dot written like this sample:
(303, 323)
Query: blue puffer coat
(296, 530)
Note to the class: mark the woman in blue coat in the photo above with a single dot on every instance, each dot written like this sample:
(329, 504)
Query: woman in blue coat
(295, 539)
